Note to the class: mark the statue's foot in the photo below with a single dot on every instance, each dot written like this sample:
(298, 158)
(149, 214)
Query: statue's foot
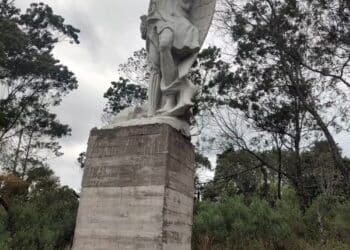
(165, 109)
(169, 104)
(179, 110)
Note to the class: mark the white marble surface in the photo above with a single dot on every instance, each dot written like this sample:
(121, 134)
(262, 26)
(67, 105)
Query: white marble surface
(174, 31)
(180, 125)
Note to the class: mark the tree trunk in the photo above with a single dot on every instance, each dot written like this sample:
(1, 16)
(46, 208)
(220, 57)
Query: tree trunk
(337, 158)
(27, 155)
(15, 163)
(266, 184)
(298, 162)
(279, 181)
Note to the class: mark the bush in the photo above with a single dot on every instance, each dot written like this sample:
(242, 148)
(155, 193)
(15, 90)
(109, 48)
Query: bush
(328, 218)
(290, 212)
(44, 219)
(342, 222)
(4, 234)
(232, 223)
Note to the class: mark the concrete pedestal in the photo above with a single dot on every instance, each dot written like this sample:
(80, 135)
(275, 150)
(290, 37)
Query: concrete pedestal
(137, 190)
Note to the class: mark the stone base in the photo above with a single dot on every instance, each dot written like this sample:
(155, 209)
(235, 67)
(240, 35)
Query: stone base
(137, 190)
(137, 116)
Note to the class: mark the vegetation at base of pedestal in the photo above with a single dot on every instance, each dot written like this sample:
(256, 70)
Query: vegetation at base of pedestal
(36, 212)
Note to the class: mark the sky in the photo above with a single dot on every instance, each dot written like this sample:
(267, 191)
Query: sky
(109, 35)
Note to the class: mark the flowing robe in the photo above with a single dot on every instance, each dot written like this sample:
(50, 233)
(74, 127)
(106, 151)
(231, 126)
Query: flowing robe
(173, 15)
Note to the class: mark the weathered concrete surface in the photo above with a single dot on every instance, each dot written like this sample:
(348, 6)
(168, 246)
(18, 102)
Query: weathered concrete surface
(137, 190)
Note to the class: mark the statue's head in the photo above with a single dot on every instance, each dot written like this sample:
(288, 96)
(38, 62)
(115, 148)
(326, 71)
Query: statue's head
(143, 26)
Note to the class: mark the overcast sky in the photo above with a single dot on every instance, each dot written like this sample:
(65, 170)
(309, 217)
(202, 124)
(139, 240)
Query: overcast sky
(109, 35)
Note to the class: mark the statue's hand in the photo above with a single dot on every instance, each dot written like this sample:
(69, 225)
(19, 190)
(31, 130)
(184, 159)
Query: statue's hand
(143, 27)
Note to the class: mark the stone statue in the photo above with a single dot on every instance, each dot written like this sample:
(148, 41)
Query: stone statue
(171, 39)
(174, 31)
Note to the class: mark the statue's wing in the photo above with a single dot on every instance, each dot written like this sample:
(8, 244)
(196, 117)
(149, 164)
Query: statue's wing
(201, 16)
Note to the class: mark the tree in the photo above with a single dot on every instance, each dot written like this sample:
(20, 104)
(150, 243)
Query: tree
(266, 100)
(123, 94)
(131, 88)
(236, 173)
(324, 178)
(294, 50)
(31, 82)
(81, 159)
(201, 163)
(40, 213)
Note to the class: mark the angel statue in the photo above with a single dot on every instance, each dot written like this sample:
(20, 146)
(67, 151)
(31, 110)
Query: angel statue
(170, 39)
(174, 31)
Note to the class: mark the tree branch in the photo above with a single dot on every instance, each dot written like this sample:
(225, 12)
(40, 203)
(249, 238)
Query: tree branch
(340, 78)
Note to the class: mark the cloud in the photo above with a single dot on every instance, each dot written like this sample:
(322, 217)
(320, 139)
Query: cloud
(109, 35)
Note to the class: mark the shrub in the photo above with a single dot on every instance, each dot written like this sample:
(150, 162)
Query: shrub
(4, 234)
(232, 223)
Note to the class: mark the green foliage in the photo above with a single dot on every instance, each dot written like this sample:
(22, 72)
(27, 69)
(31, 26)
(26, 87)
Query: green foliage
(4, 234)
(32, 81)
(236, 172)
(255, 173)
(291, 66)
(42, 217)
(289, 210)
(328, 217)
(123, 94)
(45, 221)
(233, 223)
(342, 221)
(81, 159)
(131, 88)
